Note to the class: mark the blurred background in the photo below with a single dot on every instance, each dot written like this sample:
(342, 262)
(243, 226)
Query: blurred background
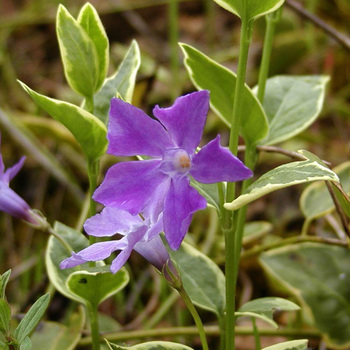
(54, 179)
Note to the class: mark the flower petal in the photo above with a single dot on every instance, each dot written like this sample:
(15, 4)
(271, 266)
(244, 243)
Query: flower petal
(132, 132)
(95, 252)
(111, 221)
(130, 185)
(10, 173)
(153, 251)
(181, 202)
(185, 120)
(214, 163)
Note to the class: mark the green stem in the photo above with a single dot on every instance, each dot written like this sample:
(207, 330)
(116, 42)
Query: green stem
(95, 334)
(93, 172)
(195, 316)
(256, 335)
(271, 21)
(229, 222)
(174, 50)
(52, 232)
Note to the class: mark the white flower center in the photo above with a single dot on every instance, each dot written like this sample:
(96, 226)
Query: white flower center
(176, 162)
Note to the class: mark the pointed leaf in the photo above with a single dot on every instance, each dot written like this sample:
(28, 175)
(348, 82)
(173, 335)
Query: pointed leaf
(78, 53)
(202, 279)
(207, 74)
(26, 344)
(89, 20)
(319, 275)
(311, 169)
(153, 345)
(315, 201)
(95, 285)
(56, 252)
(122, 83)
(5, 316)
(292, 104)
(290, 345)
(31, 319)
(88, 130)
(250, 9)
(56, 336)
(5, 277)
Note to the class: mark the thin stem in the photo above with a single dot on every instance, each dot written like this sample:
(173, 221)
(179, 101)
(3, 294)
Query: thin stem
(195, 316)
(256, 335)
(95, 335)
(229, 222)
(174, 50)
(52, 232)
(209, 330)
(271, 21)
(93, 171)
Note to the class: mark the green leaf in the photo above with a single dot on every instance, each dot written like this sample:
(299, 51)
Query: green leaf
(89, 19)
(78, 53)
(153, 345)
(286, 175)
(208, 74)
(56, 336)
(26, 344)
(315, 201)
(250, 9)
(31, 319)
(56, 252)
(292, 104)
(95, 285)
(265, 308)
(202, 279)
(5, 316)
(319, 275)
(5, 277)
(88, 130)
(290, 345)
(255, 230)
(122, 83)
(3, 346)
(209, 192)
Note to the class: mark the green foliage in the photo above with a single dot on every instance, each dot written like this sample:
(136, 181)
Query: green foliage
(88, 130)
(89, 20)
(264, 308)
(202, 279)
(122, 82)
(315, 201)
(290, 345)
(96, 284)
(311, 169)
(79, 54)
(292, 104)
(4, 280)
(250, 9)
(56, 336)
(209, 192)
(319, 275)
(255, 229)
(30, 320)
(5, 316)
(153, 345)
(208, 74)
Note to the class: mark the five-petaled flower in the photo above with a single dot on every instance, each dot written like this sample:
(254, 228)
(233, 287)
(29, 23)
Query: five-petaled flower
(170, 142)
(10, 201)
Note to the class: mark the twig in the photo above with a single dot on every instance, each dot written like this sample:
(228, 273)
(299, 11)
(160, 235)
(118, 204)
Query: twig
(339, 37)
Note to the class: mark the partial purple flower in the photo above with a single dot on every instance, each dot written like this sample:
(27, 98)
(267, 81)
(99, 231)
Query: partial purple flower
(10, 201)
(170, 141)
(139, 234)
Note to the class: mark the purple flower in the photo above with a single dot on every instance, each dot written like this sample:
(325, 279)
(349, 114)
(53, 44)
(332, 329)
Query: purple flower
(139, 234)
(10, 201)
(170, 141)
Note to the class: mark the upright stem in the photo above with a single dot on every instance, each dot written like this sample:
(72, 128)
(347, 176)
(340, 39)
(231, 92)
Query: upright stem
(173, 39)
(95, 334)
(256, 335)
(195, 316)
(271, 21)
(229, 222)
(93, 171)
